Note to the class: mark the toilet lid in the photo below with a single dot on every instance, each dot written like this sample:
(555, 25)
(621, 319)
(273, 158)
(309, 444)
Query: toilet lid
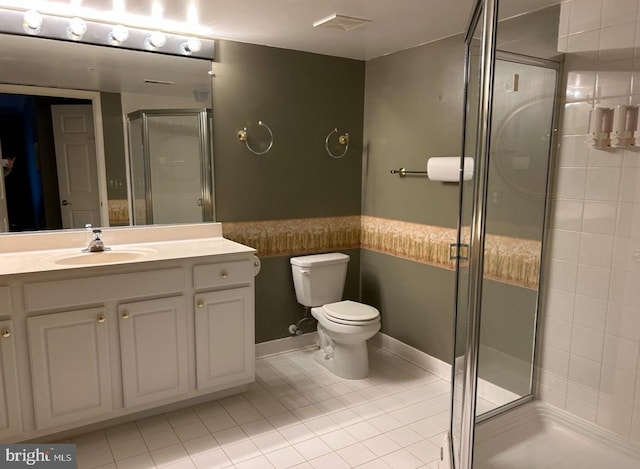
(351, 311)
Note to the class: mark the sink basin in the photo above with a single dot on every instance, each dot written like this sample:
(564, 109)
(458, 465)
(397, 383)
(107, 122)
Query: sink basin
(104, 257)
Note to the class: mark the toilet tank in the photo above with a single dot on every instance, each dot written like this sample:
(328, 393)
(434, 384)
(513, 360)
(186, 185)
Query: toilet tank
(319, 278)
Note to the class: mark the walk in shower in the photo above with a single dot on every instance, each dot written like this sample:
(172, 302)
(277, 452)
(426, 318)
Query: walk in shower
(170, 166)
(547, 332)
(510, 118)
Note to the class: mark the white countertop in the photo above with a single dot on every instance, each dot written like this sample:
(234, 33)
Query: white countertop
(159, 247)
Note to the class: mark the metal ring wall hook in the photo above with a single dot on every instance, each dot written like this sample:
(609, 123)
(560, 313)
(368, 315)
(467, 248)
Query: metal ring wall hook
(243, 136)
(342, 140)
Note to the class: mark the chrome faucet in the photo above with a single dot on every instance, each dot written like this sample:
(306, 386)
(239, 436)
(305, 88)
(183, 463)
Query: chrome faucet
(96, 244)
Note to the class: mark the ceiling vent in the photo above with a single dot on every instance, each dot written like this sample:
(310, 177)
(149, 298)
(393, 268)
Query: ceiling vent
(341, 22)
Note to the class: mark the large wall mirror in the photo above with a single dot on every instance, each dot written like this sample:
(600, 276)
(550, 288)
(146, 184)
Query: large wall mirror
(65, 111)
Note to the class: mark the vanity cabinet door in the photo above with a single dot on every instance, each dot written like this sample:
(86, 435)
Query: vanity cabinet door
(70, 366)
(225, 349)
(10, 419)
(153, 342)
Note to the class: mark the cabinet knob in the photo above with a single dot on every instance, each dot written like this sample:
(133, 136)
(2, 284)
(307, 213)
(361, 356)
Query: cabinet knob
(5, 333)
(224, 274)
(125, 315)
(200, 304)
(101, 319)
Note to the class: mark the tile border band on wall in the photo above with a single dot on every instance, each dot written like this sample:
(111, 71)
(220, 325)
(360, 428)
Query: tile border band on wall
(508, 259)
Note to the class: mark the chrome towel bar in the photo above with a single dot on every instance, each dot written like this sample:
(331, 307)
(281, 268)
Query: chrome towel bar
(403, 172)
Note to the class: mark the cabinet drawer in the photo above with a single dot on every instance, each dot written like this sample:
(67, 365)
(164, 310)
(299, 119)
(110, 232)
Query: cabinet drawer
(101, 288)
(222, 274)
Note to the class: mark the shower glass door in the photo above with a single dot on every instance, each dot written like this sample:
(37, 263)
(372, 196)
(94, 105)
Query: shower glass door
(170, 166)
(521, 136)
(508, 135)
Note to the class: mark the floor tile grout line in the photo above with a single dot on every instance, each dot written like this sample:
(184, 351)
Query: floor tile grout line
(364, 394)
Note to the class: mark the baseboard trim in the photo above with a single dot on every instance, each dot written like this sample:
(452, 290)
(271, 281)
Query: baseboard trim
(421, 359)
(426, 362)
(287, 344)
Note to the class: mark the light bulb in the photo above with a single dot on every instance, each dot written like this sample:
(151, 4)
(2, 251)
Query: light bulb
(157, 10)
(118, 35)
(156, 40)
(192, 14)
(76, 29)
(193, 44)
(32, 22)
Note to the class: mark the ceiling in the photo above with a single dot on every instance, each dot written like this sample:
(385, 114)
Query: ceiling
(395, 24)
(279, 23)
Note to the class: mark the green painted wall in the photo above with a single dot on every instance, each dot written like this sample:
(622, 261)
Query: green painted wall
(415, 301)
(413, 110)
(114, 144)
(399, 110)
(301, 97)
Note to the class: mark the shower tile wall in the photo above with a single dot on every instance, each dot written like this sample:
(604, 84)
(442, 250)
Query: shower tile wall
(591, 311)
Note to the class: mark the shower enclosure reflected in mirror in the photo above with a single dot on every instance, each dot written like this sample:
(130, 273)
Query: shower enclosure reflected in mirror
(170, 168)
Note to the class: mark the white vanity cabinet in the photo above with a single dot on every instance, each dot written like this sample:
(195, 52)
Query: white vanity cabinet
(224, 324)
(153, 349)
(10, 418)
(164, 319)
(222, 318)
(70, 366)
(100, 343)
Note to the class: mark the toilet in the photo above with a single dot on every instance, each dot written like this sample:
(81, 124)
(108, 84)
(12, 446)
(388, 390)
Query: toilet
(343, 326)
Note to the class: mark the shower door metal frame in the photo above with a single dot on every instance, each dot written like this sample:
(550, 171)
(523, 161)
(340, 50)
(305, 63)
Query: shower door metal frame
(487, 12)
(206, 157)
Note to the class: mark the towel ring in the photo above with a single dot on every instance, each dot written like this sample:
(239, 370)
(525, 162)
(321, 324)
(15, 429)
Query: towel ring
(243, 136)
(342, 140)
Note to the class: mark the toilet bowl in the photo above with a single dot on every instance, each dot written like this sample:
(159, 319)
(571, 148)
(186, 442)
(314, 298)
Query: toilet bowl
(343, 339)
(343, 326)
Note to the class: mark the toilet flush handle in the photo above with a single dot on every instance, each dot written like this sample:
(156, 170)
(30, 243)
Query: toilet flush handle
(305, 272)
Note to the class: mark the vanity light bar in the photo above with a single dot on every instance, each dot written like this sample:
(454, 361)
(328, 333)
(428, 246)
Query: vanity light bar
(33, 23)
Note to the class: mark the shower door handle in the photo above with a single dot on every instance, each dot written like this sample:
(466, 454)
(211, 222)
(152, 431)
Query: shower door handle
(199, 202)
(459, 251)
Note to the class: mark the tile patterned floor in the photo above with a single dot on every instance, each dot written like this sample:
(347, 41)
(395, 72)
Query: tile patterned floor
(296, 415)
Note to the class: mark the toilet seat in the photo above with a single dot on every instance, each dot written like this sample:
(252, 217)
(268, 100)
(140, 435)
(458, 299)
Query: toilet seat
(351, 313)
